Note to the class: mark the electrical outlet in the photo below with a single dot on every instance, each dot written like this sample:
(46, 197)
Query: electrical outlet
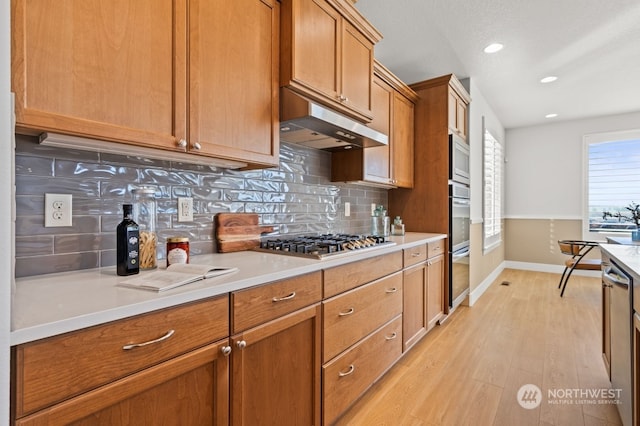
(185, 209)
(347, 209)
(373, 208)
(57, 210)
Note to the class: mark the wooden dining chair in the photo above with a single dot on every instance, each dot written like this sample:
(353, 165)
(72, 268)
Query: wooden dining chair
(577, 249)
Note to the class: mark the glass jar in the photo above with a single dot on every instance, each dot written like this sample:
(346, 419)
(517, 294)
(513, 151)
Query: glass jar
(177, 250)
(144, 214)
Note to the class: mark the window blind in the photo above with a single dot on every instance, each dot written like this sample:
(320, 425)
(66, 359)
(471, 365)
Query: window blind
(492, 208)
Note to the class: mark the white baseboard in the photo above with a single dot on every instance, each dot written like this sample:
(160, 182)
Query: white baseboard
(484, 285)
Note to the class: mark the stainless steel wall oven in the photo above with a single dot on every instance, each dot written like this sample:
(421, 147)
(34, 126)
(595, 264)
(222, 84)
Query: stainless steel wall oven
(459, 246)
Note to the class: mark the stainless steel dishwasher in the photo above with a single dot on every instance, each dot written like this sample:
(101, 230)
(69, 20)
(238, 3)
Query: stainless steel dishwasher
(620, 284)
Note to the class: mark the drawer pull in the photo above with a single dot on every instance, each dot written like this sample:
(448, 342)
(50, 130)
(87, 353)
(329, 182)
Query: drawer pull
(346, 313)
(415, 254)
(391, 290)
(226, 350)
(392, 336)
(346, 373)
(150, 342)
(287, 297)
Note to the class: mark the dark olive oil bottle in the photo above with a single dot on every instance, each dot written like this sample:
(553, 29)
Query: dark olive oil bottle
(127, 244)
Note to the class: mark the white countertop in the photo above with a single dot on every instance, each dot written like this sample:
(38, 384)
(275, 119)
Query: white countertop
(47, 305)
(627, 255)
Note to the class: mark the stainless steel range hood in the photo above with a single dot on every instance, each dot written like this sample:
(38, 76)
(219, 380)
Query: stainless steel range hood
(307, 123)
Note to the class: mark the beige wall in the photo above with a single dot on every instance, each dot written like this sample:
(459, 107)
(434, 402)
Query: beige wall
(536, 240)
(481, 264)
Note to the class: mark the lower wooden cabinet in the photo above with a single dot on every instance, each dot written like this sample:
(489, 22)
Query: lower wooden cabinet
(301, 352)
(414, 305)
(192, 389)
(276, 371)
(349, 375)
(435, 290)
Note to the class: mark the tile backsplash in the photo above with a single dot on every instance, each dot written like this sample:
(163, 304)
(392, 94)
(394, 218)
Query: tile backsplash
(297, 197)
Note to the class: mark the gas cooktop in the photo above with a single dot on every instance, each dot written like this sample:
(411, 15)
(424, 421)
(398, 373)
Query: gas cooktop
(322, 246)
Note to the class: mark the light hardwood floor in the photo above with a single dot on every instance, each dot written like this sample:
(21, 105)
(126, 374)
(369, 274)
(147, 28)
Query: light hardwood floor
(468, 371)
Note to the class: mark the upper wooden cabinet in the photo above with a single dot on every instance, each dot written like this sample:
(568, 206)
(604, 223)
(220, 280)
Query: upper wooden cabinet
(457, 113)
(233, 79)
(327, 54)
(391, 165)
(182, 75)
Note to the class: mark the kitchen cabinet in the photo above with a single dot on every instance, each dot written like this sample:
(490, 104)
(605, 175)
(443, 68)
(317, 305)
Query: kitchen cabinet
(435, 283)
(349, 375)
(182, 75)
(327, 54)
(425, 207)
(276, 362)
(423, 290)
(457, 113)
(362, 328)
(153, 368)
(393, 114)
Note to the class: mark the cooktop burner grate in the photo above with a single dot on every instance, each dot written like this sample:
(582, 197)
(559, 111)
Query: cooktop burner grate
(321, 246)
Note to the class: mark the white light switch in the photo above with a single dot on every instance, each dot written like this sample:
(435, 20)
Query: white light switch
(347, 209)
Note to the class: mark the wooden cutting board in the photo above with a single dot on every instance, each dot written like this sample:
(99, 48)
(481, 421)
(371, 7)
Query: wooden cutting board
(238, 231)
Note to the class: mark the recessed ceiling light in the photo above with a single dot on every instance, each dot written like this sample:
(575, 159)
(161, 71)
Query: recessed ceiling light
(551, 115)
(549, 79)
(493, 48)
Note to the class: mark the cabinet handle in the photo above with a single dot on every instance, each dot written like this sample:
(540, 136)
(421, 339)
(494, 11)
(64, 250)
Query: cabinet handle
(241, 344)
(392, 336)
(346, 373)
(391, 290)
(344, 314)
(415, 254)
(226, 350)
(343, 98)
(182, 143)
(196, 146)
(150, 342)
(288, 297)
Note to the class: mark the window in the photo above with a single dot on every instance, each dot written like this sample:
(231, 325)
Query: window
(613, 176)
(492, 208)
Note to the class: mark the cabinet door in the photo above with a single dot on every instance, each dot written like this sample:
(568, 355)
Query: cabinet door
(310, 59)
(109, 70)
(435, 290)
(402, 141)
(414, 312)
(461, 118)
(276, 371)
(377, 160)
(357, 70)
(192, 389)
(233, 79)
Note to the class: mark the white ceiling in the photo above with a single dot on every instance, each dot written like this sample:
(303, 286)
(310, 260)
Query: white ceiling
(593, 46)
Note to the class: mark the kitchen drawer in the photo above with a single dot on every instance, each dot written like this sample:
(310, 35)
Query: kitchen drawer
(258, 305)
(53, 369)
(345, 277)
(351, 316)
(352, 373)
(414, 255)
(435, 248)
